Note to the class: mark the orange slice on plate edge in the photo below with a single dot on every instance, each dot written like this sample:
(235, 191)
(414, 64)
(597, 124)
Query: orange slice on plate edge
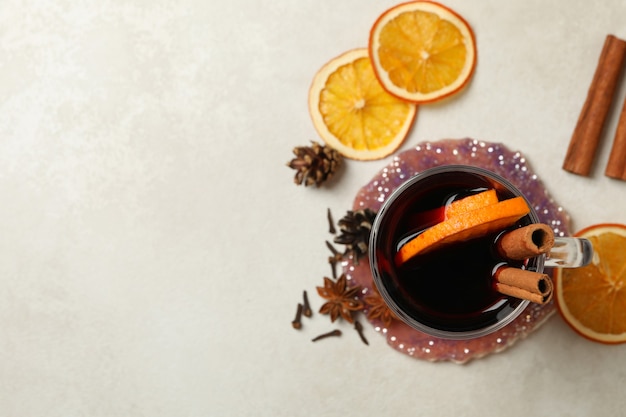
(592, 299)
(351, 111)
(465, 226)
(422, 51)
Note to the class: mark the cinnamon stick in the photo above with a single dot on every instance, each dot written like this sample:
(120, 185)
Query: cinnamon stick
(616, 167)
(526, 242)
(524, 284)
(586, 137)
(523, 295)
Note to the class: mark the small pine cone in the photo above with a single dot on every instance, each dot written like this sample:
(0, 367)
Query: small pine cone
(315, 164)
(355, 228)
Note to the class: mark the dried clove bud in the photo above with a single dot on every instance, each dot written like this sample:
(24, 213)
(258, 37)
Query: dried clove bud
(359, 328)
(297, 323)
(334, 259)
(334, 333)
(306, 307)
(331, 223)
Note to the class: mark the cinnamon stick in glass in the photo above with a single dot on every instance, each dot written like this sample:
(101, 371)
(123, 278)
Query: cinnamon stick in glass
(524, 284)
(523, 294)
(586, 137)
(616, 167)
(526, 242)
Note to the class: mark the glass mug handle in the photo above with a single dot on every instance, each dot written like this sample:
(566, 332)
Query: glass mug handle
(569, 252)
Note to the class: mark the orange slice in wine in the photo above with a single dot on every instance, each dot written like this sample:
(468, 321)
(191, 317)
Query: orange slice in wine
(472, 202)
(465, 226)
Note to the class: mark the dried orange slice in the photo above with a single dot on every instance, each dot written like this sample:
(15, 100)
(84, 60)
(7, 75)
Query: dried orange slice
(353, 113)
(422, 51)
(465, 226)
(592, 299)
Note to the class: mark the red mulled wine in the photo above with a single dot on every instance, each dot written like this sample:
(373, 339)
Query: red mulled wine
(451, 289)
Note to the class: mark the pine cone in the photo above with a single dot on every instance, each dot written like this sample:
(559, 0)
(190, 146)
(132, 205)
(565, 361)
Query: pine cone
(315, 164)
(355, 228)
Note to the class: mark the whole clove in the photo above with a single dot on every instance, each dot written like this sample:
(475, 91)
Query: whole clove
(331, 223)
(296, 322)
(333, 260)
(306, 307)
(334, 333)
(359, 328)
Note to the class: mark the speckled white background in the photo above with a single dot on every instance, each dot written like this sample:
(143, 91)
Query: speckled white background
(153, 246)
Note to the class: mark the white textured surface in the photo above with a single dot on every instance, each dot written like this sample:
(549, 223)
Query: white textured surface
(153, 245)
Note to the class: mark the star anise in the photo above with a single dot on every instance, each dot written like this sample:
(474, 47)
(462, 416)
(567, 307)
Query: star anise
(377, 309)
(342, 300)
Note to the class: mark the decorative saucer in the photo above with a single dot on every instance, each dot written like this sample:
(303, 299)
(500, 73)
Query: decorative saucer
(492, 156)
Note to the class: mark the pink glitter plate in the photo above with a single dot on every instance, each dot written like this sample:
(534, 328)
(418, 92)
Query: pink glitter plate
(496, 158)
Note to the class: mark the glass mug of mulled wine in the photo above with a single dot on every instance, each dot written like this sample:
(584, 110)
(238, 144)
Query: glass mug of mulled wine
(458, 290)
